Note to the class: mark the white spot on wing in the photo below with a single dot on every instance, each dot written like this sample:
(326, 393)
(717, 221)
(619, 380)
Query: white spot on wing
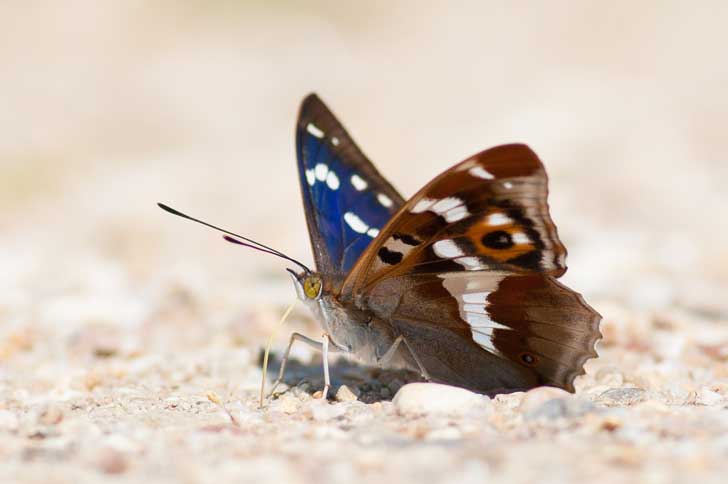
(335, 141)
(372, 232)
(475, 297)
(473, 290)
(321, 171)
(520, 238)
(451, 209)
(485, 342)
(310, 177)
(422, 205)
(446, 204)
(457, 213)
(474, 308)
(358, 182)
(470, 263)
(482, 321)
(332, 181)
(356, 224)
(447, 249)
(498, 219)
(314, 130)
(508, 185)
(480, 172)
(384, 200)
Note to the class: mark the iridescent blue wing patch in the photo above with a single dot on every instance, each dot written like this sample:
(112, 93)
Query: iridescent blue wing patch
(347, 201)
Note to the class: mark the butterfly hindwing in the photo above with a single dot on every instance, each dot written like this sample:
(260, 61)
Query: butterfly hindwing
(346, 200)
(472, 260)
(489, 330)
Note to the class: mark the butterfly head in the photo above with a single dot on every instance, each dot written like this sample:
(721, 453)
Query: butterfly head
(309, 285)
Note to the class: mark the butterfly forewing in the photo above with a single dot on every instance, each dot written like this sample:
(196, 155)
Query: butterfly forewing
(347, 201)
(489, 212)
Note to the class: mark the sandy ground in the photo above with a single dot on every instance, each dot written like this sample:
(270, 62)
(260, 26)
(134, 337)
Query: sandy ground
(130, 341)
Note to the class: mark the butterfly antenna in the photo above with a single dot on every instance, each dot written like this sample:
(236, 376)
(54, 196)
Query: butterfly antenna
(250, 243)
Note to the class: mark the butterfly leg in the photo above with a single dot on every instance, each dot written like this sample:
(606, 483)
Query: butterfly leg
(387, 356)
(294, 337)
(423, 372)
(325, 356)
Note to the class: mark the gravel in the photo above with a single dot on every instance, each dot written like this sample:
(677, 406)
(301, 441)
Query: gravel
(130, 341)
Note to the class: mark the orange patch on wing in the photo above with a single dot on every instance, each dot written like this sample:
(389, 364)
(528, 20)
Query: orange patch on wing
(482, 228)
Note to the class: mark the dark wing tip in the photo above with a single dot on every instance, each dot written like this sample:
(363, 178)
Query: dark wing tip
(311, 101)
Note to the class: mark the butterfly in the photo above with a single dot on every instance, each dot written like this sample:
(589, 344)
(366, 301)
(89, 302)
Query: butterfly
(459, 283)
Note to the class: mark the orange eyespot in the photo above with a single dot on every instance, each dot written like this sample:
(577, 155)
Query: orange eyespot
(312, 286)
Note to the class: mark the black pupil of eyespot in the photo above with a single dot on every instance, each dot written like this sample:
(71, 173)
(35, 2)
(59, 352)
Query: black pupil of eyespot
(498, 239)
(527, 358)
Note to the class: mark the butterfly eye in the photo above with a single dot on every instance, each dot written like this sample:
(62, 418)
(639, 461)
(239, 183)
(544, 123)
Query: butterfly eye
(312, 287)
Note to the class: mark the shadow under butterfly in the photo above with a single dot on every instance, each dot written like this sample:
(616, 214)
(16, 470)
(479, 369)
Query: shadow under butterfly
(458, 283)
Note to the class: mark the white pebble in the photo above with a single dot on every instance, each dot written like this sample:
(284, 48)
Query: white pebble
(621, 397)
(706, 396)
(427, 398)
(8, 420)
(344, 394)
(321, 410)
(535, 397)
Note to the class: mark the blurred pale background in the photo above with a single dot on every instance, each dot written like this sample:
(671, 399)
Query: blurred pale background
(116, 319)
(109, 107)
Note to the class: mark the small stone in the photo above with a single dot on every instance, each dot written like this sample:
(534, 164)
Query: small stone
(621, 397)
(549, 410)
(434, 398)
(444, 434)
(8, 420)
(287, 404)
(111, 461)
(536, 397)
(51, 415)
(344, 394)
(549, 403)
(610, 423)
(321, 410)
(706, 396)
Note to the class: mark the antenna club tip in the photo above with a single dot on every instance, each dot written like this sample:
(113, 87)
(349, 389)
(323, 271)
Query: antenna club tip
(167, 208)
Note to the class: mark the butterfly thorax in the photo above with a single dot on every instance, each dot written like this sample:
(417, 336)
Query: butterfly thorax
(350, 329)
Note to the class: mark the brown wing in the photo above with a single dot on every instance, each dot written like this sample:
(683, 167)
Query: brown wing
(491, 331)
(488, 212)
(466, 271)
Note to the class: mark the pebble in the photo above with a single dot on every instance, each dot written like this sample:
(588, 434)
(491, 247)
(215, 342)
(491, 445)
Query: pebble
(621, 397)
(8, 420)
(287, 404)
(706, 396)
(434, 398)
(321, 410)
(444, 434)
(551, 403)
(344, 394)
(111, 461)
(560, 408)
(536, 397)
(50, 415)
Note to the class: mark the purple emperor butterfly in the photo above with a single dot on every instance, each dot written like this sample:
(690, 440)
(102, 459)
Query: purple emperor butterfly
(458, 283)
